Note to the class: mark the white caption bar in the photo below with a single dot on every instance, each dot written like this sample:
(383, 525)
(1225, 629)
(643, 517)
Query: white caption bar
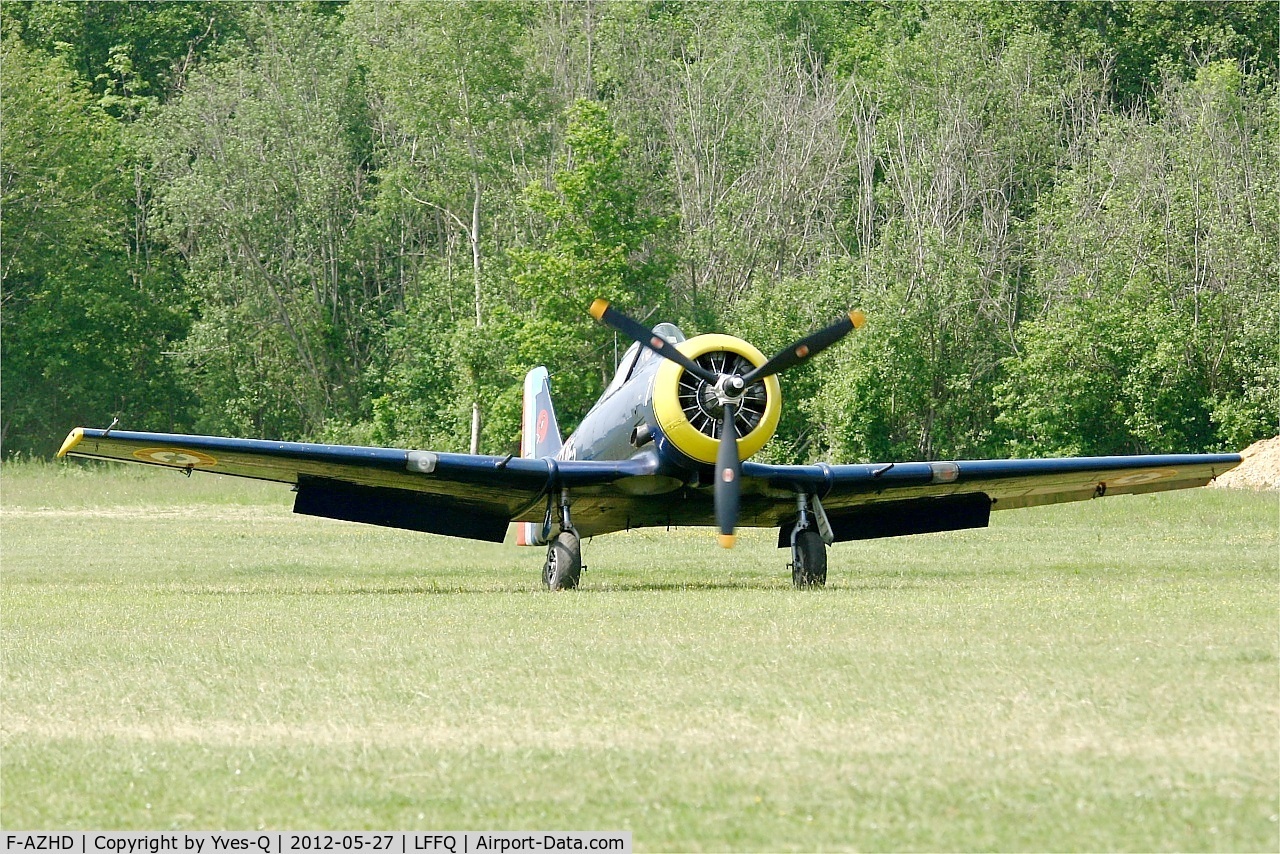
(298, 842)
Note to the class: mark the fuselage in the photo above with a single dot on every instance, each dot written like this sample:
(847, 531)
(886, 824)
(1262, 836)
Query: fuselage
(608, 431)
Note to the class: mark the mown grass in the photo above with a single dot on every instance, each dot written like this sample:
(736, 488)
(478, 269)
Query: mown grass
(188, 654)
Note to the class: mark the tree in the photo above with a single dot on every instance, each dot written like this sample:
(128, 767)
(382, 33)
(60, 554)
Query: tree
(750, 135)
(964, 143)
(144, 47)
(1141, 42)
(260, 171)
(363, 221)
(84, 328)
(600, 242)
(1155, 333)
(459, 107)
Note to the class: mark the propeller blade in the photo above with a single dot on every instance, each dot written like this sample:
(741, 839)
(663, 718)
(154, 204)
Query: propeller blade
(636, 331)
(728, 490)
(810, 345)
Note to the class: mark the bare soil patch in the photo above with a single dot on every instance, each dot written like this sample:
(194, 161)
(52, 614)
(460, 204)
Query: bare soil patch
(1260, 469)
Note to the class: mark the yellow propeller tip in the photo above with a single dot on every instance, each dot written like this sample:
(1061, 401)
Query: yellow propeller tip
(727, 541)
(73, 439)
(598, 308)
(859, 319)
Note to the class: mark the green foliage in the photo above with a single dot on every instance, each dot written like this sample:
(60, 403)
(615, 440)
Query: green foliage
(916, 383)
(452, 77)
(426, 382)
(365, 221)
(447, 176)
(85, 326)
(772, 318)
(599, 243)
(1093, 379)
(259, 185)
(1156, 332)
(964, 148)
(129, 50)
(1141, 43)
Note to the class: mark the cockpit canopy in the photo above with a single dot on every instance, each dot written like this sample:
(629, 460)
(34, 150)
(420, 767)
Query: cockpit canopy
(637, 357)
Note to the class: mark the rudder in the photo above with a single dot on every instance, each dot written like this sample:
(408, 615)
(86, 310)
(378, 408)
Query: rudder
(539, 437)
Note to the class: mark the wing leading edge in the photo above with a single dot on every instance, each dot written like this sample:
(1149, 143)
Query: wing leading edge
(1009, 483)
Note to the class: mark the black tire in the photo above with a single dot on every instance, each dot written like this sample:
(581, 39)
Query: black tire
(809, 560)
(563, 568)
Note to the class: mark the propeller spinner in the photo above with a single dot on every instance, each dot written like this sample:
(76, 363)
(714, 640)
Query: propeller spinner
(728, 390)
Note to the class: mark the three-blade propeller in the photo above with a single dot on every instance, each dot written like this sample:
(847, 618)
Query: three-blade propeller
(729, 388)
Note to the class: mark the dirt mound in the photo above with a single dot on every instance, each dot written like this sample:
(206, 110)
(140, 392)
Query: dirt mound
(1260, 469)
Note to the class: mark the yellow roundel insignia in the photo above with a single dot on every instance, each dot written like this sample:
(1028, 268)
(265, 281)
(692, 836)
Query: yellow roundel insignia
(181, 457)
(1149, 476)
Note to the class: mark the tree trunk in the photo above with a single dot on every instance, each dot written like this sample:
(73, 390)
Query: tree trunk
(475, 272)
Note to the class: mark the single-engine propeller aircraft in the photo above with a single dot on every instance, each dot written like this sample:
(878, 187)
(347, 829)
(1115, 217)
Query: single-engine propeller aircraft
(668, 443)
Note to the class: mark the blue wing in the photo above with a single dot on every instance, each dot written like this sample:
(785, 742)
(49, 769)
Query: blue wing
(478, 496)
(866, 501)
(892, 499)
(461, 495)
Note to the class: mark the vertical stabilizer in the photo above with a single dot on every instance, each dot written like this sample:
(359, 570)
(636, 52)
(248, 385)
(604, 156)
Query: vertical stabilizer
(539, 437)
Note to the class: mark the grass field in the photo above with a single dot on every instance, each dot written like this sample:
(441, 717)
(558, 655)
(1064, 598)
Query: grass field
(188, 654)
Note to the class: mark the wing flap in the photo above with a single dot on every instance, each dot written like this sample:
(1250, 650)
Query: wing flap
(398, 508)
(882, 500)
(904, 517)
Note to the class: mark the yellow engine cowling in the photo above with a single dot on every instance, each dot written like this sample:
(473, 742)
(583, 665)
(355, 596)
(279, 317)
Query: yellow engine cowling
(678, 399)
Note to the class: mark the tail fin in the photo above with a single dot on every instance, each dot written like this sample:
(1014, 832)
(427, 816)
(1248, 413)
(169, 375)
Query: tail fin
(539, 437)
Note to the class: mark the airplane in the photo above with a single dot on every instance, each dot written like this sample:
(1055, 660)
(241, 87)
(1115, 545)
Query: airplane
(669, 443)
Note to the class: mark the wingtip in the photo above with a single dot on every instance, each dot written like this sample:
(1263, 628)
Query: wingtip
(73, 439)
(727, 541)
(598, 308)
(858, 318)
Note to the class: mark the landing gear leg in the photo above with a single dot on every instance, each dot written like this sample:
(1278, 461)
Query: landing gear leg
(563, 567)
(808, 550)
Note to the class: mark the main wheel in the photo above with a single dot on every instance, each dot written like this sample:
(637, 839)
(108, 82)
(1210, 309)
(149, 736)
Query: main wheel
(809, 560)
(564, 562)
